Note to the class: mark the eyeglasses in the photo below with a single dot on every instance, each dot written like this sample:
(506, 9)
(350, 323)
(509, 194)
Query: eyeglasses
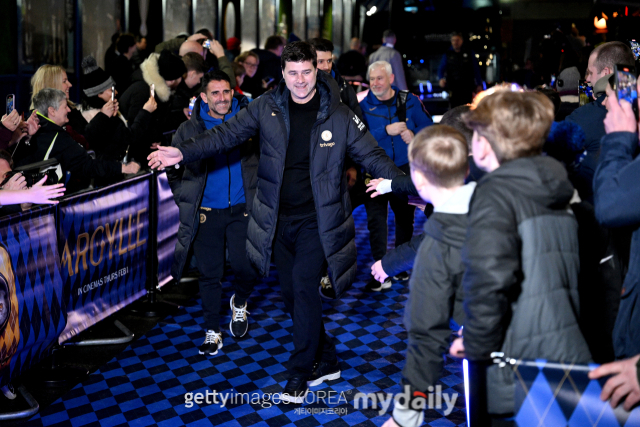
(250, 64)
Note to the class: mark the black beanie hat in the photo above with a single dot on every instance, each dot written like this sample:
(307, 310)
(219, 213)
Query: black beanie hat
(170, 66)
(95, 80)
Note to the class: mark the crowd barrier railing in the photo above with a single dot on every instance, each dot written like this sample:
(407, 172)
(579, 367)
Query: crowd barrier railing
(66, 267)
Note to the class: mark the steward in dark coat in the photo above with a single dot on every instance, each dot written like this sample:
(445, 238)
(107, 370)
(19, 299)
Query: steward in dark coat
(188, 183)
(336, 133)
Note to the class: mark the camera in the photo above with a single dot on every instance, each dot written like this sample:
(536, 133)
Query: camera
(34, 172)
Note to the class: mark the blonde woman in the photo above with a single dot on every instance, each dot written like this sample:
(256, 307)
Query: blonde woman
(55, 77)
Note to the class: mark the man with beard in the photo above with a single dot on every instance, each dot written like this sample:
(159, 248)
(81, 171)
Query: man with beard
(219, 193)
(301, 212)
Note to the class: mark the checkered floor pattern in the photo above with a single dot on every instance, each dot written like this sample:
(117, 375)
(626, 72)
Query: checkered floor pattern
(146, 384)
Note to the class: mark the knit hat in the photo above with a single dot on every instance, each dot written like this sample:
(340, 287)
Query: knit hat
(95, 80)
(170, 66)
(568, 80)
(233, 43)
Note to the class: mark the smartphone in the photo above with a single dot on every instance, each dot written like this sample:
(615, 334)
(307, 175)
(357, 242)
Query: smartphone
(267, 81)
(192, 102)
(553, 80)
(153, 89)
(206, 44)
(10, 103)
(635, 48)
(626, 85)
(585, 92)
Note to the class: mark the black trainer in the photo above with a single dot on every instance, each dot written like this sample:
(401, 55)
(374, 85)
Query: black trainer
(324, 371)
(296, 389)
(401, 277)
(212, 343)
(239, 324)
(326, 289)
(374, 286)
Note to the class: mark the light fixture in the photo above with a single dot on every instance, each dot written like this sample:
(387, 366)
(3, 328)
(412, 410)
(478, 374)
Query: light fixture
(372, 11)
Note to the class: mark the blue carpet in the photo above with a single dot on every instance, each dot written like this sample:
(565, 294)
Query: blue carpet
(146, 384)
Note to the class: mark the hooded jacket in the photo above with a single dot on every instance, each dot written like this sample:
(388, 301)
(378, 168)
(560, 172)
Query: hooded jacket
(336, 133)
(188, 183)
(134, 98)
(521, 281)
(377, 115)
(617, 196)
(435, 297)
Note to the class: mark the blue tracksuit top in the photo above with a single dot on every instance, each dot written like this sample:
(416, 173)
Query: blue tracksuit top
(377, 115)
(224, 180)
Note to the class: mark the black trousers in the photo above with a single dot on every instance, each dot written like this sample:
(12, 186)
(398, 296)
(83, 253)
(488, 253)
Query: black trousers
(299, 258)
(216, 227)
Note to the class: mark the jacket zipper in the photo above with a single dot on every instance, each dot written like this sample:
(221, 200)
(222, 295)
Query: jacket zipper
(393, 147)
(229, 168)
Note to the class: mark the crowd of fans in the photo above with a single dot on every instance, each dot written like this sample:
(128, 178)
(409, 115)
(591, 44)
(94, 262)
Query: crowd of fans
(531, 246)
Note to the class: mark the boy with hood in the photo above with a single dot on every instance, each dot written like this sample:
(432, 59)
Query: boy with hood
(521, 253)
(215, 197)
(438, 157)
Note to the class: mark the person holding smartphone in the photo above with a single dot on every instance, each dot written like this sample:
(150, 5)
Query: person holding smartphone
(617, 204)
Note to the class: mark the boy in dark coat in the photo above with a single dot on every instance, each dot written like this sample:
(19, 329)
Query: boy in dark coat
(439, 165)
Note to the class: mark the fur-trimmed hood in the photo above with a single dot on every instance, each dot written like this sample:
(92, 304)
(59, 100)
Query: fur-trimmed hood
(151, 75)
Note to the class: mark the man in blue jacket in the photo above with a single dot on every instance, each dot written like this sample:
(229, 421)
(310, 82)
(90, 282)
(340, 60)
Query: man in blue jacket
(393, 117)
(301, 211)
(616, 195)
(214, 198)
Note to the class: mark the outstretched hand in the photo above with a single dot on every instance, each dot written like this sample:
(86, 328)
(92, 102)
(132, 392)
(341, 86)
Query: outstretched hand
(164, 157)
(43, 194)
(372, 187)
(622, 385)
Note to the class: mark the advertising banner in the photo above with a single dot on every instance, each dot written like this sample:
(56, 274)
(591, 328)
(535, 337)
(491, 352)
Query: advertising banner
(168, 221)
(31, 294)
(102, 241)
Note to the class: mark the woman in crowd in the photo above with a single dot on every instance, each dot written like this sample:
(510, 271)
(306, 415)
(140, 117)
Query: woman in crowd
(98, 96)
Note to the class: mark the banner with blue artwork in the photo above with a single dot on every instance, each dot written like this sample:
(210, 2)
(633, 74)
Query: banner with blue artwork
(168, 222)
(31, 294)
(102, 241)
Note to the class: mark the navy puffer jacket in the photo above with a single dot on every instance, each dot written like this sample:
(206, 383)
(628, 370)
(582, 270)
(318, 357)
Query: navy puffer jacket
(336, 134)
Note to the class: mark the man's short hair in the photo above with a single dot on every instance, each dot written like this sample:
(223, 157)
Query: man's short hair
(321, 45)
(380, 64)
(454, 118)
(299, 52)
(244, 55)
(441, 154)
(516, 124)
(215, 76)
(273, 42)
(125, 41)
(46, 98)
(457, 34)
(205, 32)
(612, 53)
(194, 62)
(238, 69)
(388, 35)
(5, 155)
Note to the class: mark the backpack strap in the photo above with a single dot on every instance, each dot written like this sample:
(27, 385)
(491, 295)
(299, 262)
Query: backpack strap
(401, 105)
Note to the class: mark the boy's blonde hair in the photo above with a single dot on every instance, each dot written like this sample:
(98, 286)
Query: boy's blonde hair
(516, 124)
(441, 154)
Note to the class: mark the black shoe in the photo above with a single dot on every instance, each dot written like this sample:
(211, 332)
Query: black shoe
(239, 324)
(212, 343)
(324, 371)
(374, 286)
(402, 277)
(296, 390)
(326, 288)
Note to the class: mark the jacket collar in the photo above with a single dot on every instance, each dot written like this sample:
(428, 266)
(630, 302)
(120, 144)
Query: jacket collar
(372, 99)
(151, 75)
(46, 124)
(458, 203)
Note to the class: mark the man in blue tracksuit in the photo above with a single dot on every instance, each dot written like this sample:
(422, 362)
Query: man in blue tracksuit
(393, 122)
(214, 197)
